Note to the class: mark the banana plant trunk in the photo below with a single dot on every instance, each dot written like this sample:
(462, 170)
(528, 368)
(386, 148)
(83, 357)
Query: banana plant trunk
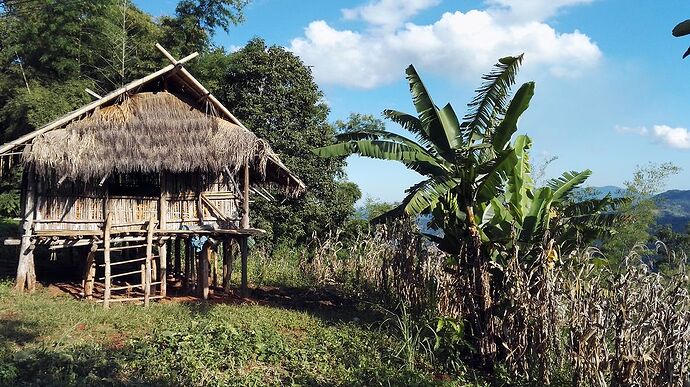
(481, 319)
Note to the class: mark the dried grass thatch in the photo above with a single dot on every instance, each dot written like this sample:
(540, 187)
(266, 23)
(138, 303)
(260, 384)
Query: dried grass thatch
(151, 132)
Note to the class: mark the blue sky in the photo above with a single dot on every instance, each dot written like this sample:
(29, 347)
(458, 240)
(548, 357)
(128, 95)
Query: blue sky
(612, 91)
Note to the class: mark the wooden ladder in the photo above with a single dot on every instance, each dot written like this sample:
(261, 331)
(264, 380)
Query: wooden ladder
(147, 271)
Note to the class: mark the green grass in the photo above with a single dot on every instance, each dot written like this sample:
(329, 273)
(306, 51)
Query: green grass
(55, 340)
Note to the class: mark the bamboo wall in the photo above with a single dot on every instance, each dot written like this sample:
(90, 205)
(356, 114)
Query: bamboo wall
(81, 206)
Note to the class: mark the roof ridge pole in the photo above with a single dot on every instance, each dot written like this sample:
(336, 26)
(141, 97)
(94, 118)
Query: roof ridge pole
(201, 87)
(107, 98)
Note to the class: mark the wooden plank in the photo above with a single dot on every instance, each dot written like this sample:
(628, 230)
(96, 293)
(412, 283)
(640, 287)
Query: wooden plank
(149, 253)
(106, 260)
(109, 97)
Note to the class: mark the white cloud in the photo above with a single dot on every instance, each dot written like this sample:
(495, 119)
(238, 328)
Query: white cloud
(538, 10)
(678, 138)
(642, 131)
(388, 13)
(459, 44)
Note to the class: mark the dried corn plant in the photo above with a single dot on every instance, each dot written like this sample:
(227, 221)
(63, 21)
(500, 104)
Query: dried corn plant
(393, 263)
(575, 321)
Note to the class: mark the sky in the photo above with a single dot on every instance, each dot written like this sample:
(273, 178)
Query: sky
(612, 91)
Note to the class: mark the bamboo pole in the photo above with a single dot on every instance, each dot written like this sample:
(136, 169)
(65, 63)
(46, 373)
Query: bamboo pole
(106, 260)
(149, 253)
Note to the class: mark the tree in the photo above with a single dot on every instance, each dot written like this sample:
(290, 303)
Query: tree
(640, 209)
(275, 96)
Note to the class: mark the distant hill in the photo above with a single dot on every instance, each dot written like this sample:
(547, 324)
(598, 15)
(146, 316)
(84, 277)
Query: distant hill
(674, 205)
(674, 209)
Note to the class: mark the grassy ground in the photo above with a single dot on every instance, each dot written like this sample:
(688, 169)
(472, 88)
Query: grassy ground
(49, 339)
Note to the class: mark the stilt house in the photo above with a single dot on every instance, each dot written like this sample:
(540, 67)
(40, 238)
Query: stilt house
(142, 175)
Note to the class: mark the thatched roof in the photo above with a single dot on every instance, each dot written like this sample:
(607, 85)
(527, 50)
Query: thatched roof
(151, 132)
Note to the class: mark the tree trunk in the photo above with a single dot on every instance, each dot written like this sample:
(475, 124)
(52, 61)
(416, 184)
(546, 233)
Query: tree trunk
(26, 272)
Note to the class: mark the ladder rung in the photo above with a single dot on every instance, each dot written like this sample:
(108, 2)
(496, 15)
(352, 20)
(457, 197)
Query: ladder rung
(132, 299)
(120, 248)
(122, 262)
(122, 274)
(127, 261)
(133, 286)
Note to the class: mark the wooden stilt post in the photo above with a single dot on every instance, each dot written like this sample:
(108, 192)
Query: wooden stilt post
(227, 264)
(162, 225)
(244, 252)
(245, 203)
(106, 260)
(26, 272)
(214, 266)
(90, 272)
(188, 255)
(178, 270)
(202, 282)
(149, 254)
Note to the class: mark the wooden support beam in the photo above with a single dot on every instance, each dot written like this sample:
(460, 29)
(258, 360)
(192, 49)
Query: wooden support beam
(244, 252)
(178, 261)
(106, 260)
(162, 225)
(26, 272)
(188, 256)
(245, 203)
(149, 254)
(227, 264)
(90, 272)
(203, 271)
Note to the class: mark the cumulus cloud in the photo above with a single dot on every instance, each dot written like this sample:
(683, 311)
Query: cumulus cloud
(678, 138)
(459, 44)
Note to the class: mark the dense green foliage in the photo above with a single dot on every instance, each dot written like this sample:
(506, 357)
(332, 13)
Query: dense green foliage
(52, 50)
(273, 93)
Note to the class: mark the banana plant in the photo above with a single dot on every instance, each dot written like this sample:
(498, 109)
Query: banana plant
(465, 162)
